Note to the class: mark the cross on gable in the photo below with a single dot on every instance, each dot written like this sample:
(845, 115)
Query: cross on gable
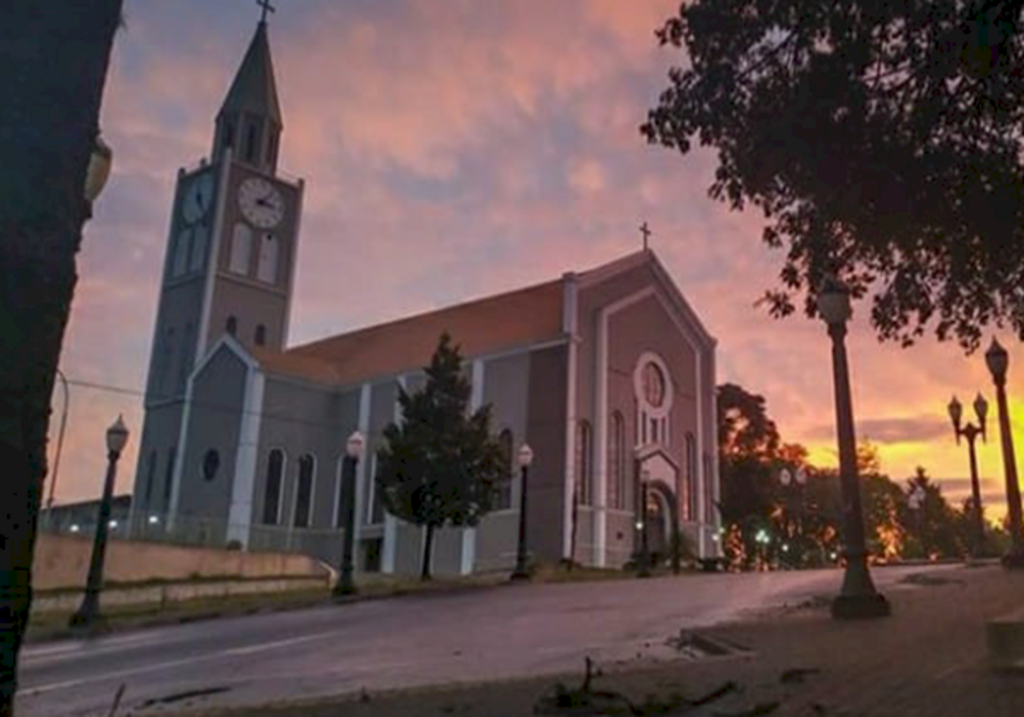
(646, 231)
(267, 7)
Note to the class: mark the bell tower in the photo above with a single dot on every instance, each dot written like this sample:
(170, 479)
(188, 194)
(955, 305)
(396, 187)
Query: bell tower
(229, 265)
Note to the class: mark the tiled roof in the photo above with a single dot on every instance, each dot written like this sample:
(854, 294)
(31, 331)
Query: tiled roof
(487, 325)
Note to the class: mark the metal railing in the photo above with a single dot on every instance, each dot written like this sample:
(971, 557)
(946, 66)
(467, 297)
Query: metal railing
(198, 531)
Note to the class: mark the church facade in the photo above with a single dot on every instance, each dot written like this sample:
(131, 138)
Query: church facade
(608, 374)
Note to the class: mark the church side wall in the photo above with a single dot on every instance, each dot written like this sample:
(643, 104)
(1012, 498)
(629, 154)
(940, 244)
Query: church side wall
(545, 432)
(303, 419)
(215, 419)
(506, 387)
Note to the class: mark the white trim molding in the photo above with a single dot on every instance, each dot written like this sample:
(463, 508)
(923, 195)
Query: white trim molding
(212, 265)
(569, 328)
(365, 395)
(244, 485)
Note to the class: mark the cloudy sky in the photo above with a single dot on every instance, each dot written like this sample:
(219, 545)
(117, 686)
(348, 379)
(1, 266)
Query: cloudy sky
(455, 148)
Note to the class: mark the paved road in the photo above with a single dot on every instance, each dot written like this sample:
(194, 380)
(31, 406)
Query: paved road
(503, 632)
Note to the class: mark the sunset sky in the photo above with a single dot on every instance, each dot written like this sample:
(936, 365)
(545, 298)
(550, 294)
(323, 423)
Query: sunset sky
(456, 148)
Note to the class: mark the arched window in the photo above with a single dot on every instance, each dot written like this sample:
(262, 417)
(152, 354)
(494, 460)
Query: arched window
(617, 462)
(584, 451)
(375, 512)
(688, 493)
(179, 263)
(271, 147)
(168, 360)
(267, 267)
(503, 492)
(250, 143)
(231, 325)
(229, 134)
(260, 335)
(272, 489)
(169, 478)
(304, 492)
(710, 509)
(187, 355)
(241, 249)
(198, 254)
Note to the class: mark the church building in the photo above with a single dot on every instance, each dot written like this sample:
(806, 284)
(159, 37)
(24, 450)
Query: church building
(607, 373)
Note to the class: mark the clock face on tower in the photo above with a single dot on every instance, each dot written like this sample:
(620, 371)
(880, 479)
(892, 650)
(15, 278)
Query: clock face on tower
(198, 198)
(261, 203)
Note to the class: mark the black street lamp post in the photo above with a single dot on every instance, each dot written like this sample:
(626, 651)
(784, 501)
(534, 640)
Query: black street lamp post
(521, 571)
(345, 584)
(998, 361)
(971, 432)
(89, 611)
(858, 597)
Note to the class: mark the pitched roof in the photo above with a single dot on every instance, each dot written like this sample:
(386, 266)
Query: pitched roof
(487, 325)
(483, 326)
(253, 90)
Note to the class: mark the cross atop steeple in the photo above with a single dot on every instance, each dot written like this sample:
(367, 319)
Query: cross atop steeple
(267, 7)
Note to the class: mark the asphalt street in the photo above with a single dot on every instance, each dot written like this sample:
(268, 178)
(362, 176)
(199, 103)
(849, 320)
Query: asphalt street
(503, 632)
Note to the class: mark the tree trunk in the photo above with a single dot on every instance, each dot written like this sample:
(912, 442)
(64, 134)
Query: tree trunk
(428, 549)
(53, 57)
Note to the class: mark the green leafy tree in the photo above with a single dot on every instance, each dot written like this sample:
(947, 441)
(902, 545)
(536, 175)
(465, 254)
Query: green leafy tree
(935, 528)
(440, 465)
(881, 140)
(54, 58)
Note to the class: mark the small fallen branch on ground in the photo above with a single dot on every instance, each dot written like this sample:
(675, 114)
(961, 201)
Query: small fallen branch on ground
(798, 675)
(584, 701)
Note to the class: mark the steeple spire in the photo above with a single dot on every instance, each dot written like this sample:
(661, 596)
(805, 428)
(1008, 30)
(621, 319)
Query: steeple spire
(250, 120)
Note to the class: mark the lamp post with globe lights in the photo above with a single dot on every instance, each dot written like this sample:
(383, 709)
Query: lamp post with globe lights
(858, 597)
(525, 458)
(353, 452)
(793, 484)
(998, 361)
(971, 433)
(89, 611)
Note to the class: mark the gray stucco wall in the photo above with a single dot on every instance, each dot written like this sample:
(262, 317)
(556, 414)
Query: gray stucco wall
(160, 433)
(215, 417)
(506, 388)
(546, 422)
(304, 419)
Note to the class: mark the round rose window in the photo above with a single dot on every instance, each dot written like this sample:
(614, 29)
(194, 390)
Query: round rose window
(653, 385)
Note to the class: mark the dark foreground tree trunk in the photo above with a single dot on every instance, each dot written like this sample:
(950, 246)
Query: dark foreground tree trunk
(428, 548)
(53, 58)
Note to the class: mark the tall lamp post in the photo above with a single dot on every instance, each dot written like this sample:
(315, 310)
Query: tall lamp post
(89, 611)
(353, 452)
(998, 362)
(525, 459)
(971, 433)
(858, 597)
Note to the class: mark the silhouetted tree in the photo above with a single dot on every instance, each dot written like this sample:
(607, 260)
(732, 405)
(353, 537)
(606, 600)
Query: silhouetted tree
(440, 465)
(882, 140)
(53, 58)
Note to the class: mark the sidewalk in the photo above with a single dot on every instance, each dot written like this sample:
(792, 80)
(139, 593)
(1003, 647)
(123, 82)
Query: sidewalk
(928, 659)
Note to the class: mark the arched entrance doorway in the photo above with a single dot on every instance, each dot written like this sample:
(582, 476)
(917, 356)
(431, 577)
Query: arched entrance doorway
(659, 518)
